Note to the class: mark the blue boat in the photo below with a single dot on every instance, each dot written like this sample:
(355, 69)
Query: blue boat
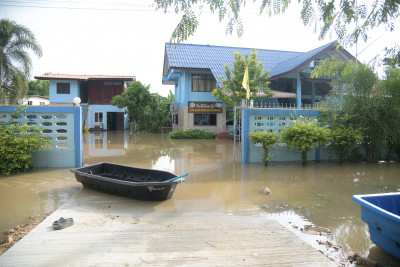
(382, 214)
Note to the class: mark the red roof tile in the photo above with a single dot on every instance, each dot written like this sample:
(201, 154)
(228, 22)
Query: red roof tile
(84, 77)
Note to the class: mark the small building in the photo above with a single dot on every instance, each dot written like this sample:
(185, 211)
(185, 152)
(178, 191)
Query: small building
(96, 93)
(34, 100)
(196, 70)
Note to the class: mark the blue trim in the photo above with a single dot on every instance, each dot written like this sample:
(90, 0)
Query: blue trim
(39, 109)
(187, 87)
(245, 136)
(78, 136)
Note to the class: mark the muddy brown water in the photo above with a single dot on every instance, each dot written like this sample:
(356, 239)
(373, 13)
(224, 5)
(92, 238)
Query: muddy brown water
(319, 193)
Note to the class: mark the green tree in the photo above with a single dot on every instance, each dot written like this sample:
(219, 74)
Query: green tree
(303, 135)
(17, 143)
(135, 99)
(369, 105)
(347, 20)
(20, 85)
(157, 114)
(390, 91)
(39, 87)
(16, 41)
(232, 91)
(267, 140)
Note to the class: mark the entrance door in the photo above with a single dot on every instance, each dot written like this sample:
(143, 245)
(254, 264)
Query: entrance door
(111, 121)
(115, 121)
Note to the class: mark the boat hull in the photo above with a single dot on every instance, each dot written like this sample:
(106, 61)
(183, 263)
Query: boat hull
(382, 214)
(138, 183)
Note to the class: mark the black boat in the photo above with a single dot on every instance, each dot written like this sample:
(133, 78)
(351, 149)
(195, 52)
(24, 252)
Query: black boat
(138, 183)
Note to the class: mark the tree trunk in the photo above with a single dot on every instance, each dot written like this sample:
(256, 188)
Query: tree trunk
(341, 157)
(389, 154)
(367, 150)
(304, 157)
(266, 154)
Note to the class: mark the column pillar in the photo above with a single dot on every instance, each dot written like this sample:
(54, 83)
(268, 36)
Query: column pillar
(298, 92)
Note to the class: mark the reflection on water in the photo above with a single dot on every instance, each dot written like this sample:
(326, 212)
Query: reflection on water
(33, 194)
(320, 192)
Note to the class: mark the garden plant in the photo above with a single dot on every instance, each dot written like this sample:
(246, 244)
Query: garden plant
(266, 139)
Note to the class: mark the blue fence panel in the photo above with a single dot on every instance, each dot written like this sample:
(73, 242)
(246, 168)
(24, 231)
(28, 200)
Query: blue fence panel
(273, 120)
(61, 126)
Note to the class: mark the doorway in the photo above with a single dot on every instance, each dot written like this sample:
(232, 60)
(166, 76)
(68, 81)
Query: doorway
(115, 121)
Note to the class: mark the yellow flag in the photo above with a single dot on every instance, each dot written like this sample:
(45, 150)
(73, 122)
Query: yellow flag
(246, 83)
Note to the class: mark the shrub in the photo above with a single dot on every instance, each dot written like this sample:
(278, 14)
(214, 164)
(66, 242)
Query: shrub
(303, 135)
(192, 134)
(17, 142)
(266, 139)
(344, 140)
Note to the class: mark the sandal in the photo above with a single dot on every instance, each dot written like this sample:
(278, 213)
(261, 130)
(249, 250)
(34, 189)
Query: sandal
(62, 223)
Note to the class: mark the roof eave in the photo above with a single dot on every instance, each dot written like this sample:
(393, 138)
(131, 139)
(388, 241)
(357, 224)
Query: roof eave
(327, 49)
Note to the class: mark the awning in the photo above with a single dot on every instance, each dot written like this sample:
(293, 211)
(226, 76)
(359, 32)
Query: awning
(277, 94)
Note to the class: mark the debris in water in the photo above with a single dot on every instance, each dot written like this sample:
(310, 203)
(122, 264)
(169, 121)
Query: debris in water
(316, 230)
(266, 191)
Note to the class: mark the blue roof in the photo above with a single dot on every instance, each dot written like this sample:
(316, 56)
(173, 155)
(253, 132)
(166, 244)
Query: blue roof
(193, 56)
(292, 63)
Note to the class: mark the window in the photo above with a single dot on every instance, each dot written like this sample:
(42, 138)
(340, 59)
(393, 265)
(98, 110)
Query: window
(98, 117)
(205, 119)
(29, 103)
(63, 88)
(176, 119)
(203, 83)
(42, 103)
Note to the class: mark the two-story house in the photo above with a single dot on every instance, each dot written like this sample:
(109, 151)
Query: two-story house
(196, 70)
(96, 93)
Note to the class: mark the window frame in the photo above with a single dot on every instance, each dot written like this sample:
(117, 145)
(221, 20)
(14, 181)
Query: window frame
(97, 117)
(63, 88)
(212, 119)
(203, 83)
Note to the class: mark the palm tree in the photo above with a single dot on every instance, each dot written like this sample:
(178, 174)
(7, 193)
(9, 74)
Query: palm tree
(15, 43)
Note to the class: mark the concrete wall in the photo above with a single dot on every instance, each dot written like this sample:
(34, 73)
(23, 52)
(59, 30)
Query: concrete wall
(274, 120)
(61, 125)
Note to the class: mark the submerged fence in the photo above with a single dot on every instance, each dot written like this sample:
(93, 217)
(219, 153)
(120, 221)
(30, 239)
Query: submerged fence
(60, 125)
(274, 120)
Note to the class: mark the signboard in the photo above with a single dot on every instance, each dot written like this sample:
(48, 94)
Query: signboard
(205, 107)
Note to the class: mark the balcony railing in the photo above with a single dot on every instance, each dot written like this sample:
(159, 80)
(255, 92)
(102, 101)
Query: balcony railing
(287, 105)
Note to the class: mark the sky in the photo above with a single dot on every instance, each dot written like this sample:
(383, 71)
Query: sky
(122, 37)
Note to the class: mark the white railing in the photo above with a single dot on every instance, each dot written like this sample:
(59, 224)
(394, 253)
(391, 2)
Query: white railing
(287, 106)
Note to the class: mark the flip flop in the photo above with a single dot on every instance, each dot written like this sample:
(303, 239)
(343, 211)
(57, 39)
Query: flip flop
(62, 223)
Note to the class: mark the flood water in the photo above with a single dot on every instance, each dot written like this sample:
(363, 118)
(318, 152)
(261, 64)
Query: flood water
(320, 192)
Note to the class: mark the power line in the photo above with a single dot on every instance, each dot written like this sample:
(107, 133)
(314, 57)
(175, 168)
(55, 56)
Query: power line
(81, 8)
